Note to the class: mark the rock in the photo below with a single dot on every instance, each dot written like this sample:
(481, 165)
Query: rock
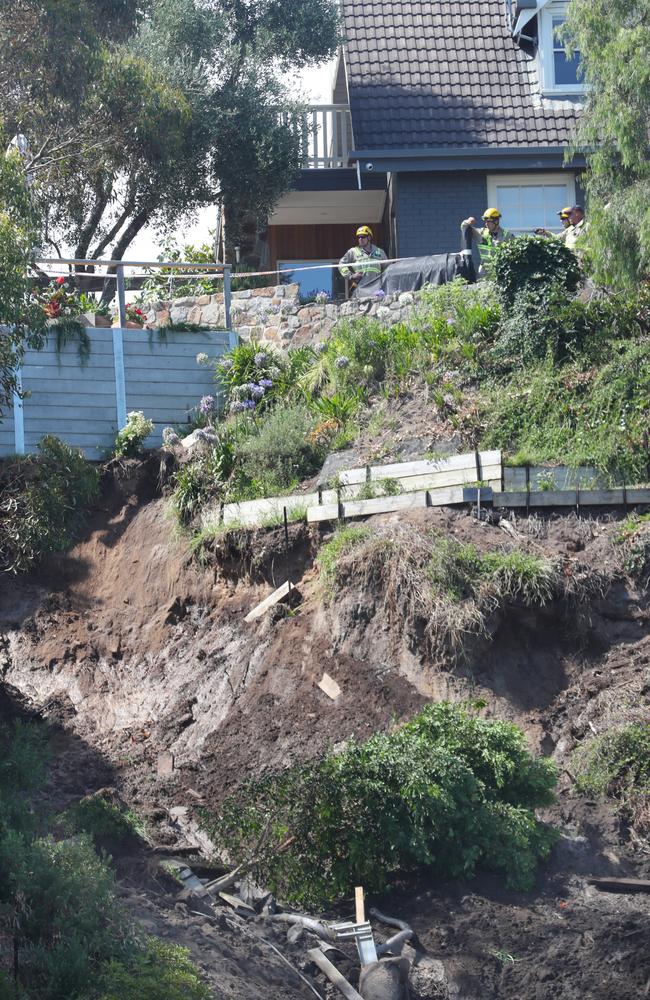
(427, 978)
(337, 462)
(384, 980)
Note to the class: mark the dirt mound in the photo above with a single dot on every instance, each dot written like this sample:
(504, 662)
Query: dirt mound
(144, 655)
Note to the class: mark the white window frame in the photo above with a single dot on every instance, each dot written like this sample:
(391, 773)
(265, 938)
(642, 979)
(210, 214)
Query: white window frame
(531, 180)
(545, 53)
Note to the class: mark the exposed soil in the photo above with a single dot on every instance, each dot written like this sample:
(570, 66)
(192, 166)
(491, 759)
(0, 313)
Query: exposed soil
(135, 651)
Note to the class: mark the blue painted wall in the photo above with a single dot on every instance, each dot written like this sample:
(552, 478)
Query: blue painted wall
(431, 207)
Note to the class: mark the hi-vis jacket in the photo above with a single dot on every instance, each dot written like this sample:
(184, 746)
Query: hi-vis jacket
(487, 241)
(368, 263)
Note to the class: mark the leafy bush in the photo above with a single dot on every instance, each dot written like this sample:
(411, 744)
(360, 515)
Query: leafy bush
(447, 792)
(43, 500)
(129, 439)
(532, 262)
(160, 971)
(102, 819)
(281, 452)
(617, 765)
(543, 322)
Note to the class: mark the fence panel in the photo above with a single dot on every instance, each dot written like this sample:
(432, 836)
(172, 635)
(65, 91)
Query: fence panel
(79, 399)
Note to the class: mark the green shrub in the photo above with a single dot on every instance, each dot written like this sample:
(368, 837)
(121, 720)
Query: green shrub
(532, 262)
(43, 501)
(281, 452)
(160, 971)
(258, 377)
(102, 819)
(616, 764)
(447, 792)
(129, 440)
(634, 540)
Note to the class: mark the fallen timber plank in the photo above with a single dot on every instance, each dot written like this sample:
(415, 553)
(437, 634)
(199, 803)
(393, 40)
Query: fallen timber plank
(329, 686)
(333, 974)
(620, 884)
(423, 467)
(278, 595)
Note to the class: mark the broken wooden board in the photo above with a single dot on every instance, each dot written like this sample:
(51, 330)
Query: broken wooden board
(165, 764)
(333, 974)
(620, 884)
(278, 595)
(237, 903)
(329, 686)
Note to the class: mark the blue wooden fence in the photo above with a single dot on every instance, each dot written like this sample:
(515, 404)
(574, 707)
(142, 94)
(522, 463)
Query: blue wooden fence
(85, 403)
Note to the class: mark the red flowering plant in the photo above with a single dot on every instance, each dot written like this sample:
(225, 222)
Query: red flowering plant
(62, 299)
(135, 314)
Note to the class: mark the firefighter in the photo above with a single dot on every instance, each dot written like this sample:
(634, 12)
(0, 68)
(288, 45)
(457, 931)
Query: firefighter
(578, 227)
(488, 238)
(565, 219)
(362, 264)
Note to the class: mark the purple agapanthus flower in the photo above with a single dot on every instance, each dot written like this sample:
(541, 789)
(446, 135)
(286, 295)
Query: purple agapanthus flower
(320, 348)
(249, 404)
(207, 405)
(237, 407)
(266, 383)
(342, 362)
(257, 392)
(226, 364)
(261, 358)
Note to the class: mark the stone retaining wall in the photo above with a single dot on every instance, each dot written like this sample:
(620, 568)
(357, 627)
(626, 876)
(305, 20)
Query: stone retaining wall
(275, 315)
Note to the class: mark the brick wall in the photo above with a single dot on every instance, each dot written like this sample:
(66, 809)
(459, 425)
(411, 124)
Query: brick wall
(430, 208)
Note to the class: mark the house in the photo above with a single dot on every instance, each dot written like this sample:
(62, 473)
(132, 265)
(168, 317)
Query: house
(439, 109)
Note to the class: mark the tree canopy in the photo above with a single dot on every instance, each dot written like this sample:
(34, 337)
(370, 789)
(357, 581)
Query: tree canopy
(140, 111)
(614, 44)
(21, 320)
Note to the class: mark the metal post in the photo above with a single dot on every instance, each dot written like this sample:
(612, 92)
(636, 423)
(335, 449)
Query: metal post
(121, 296)
(227, 294)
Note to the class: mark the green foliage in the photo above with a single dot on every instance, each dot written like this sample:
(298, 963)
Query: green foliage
(59, 906)
(20, 315)
(614, 44)
(281, 452)
(102, 819)
(616, 764)
(634, 540)
(531, 263)
(344, 540)
(462, 572)
(43, 500)
(160, 971)
(256, 378)
(129, 440)
(156, 109)
(447, 792)
(578, 414)
(545, 323)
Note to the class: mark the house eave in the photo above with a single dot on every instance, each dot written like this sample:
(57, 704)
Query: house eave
(464, 158)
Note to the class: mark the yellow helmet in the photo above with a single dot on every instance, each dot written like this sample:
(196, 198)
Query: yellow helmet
(564, 212)
(364, 231)
(491, 213)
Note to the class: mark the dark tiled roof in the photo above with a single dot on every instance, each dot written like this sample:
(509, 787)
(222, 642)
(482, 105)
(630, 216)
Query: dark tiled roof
(431, 73)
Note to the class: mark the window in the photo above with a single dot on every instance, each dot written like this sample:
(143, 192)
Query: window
(312, 280)
(531, 201)
(559, 74)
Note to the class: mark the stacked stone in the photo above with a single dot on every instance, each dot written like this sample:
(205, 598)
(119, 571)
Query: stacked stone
(274, 315)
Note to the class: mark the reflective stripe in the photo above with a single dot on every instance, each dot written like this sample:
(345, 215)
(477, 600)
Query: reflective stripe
(487, 244)
(367, 263)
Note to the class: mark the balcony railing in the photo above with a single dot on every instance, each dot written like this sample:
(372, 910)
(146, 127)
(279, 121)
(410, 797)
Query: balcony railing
(325, 131)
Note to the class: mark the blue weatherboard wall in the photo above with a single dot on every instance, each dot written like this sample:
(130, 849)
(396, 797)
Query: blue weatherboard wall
(431, 207)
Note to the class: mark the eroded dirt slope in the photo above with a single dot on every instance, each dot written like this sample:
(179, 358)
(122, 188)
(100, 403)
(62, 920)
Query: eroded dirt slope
(141, 652)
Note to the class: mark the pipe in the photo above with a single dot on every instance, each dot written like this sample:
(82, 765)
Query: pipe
(323, 932)
(389, 921)
(394, 944)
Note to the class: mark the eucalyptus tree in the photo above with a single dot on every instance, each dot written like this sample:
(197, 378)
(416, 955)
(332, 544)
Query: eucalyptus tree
(153, 109)
(614, 44)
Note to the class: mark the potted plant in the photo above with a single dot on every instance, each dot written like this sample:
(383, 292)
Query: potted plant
(135, 317)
